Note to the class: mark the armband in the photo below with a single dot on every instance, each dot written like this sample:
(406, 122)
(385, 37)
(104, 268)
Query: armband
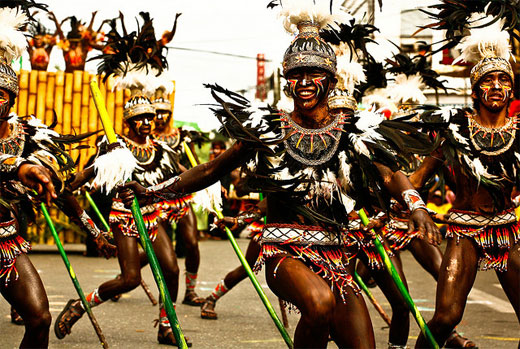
(413, 200)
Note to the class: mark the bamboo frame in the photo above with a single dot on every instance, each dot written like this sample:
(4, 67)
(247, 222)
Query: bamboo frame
(68, 95)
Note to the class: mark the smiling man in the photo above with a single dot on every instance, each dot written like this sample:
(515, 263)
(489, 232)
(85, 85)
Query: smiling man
(313, 167)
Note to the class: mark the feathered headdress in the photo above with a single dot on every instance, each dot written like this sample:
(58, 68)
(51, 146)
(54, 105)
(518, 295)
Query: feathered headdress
(12, 45)
(308, 49)
(481, 28)
(163, 87)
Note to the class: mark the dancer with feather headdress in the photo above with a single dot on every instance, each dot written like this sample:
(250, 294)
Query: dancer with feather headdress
(135, 60)
(314, 167)
(480, 147)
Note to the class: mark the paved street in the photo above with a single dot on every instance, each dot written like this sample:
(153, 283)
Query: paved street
(243, 322)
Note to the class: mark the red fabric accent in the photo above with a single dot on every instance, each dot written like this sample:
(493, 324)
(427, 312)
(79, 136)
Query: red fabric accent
(494, 242)
(10, 248)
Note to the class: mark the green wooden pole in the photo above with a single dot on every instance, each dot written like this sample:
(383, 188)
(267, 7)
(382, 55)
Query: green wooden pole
(96, 209)
(371, 297)
(399, 283)
(247, 268)
(73, 277)
(141, 228)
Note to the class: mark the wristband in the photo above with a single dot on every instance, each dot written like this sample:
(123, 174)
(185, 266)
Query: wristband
(89, 224)
(413, 200)
(164, 185)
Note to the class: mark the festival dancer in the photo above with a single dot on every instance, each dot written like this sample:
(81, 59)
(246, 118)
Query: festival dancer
(481, 148)
(155, 162)
(40, 46)
(32, 156)
(186, 222)
(310, 164)
(78, 42)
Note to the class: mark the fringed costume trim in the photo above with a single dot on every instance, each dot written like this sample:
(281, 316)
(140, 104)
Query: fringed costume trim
(395, 232)
(317, 248)
(173, 210)
(11, 246)
(358, 239)
(494, 241)
(123, 218)
(255, 230)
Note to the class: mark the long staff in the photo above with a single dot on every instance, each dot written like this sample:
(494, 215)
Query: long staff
(399, 283)
(73, 277)
(373, 299)
(246, 266)
(141, 228)
(107, 228)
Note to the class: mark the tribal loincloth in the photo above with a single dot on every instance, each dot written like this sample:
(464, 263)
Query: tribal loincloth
(494, 234)
(11, 246)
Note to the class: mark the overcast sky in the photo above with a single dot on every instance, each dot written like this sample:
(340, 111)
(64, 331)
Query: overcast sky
(237, 27)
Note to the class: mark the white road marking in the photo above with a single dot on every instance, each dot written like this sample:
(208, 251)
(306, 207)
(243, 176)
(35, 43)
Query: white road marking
(493, 302)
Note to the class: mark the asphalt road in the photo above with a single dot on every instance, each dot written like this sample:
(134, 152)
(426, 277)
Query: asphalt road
(243, 321)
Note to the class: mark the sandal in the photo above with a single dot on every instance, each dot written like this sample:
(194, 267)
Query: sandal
(191, 298)
(16, 318)
(455, 340)
(165, 336)
(207, 311)
(72, 312)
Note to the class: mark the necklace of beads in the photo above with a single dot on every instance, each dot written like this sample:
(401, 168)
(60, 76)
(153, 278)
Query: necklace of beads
(14, 143)
(144, 153)
(492, 141)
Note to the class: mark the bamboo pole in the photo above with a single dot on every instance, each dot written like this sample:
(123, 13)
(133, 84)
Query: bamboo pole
(59, 99)
(118, 116)
(143, 233)
(77, 84)
(23, 95)
(399, 283)
(371, 297)
(33, 88)
(73, 277)
(67, 103)
(49, 97)
(245, 264)
(40, 95)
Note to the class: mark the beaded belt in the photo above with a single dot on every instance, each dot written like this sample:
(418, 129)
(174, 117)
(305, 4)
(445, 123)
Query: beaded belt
(7, 228)
(467, 218)
(119, 206)
(299, 235)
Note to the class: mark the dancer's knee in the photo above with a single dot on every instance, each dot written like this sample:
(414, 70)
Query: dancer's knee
(319, 308)
(130, 281)
(39, 321)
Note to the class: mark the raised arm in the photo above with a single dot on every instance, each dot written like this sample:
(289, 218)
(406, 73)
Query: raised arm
(429, 165)
(52, 16)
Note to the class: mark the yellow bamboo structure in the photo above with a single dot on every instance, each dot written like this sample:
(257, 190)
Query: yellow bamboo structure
(68, 95)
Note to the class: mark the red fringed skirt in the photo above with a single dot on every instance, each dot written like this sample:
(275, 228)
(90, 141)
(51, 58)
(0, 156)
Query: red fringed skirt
(494, 235)
(11, 246)
(395, 232)
(321, 250)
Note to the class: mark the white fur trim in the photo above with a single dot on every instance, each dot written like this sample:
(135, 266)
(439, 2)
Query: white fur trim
(114, 168)
(12, 40)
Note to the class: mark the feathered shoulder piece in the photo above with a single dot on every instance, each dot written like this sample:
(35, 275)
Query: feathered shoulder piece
(242, 121)
(490, 156)
(135, 51)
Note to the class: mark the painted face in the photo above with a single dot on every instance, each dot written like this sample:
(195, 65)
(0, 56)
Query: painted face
(162, 118)
(142, 124)
(5, 104)
(308, 86)
(495, 91)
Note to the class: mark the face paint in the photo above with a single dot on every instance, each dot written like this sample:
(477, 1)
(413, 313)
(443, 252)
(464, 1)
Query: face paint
(506, 90)
(292, 86)
(4, 107)
(318, 82)
(485, 90)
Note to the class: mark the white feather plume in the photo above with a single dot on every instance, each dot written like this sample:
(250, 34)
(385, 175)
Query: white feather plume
(165, 80)
(136, 78)
(114, 168)
(483, 42)
(349, 73)
(12, 40)
(210, 199)
(368, 120)
(344, 171)
(407, 89)
(317, 11)
(379, 98)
